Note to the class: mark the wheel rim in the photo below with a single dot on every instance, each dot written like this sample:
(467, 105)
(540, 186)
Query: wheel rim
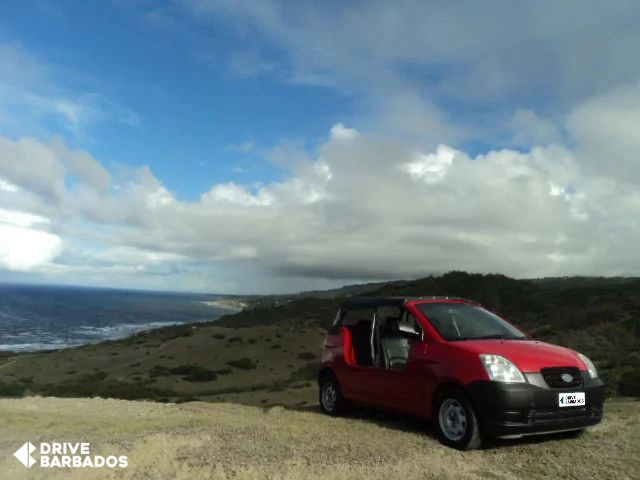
(453, 419)
(329, 396)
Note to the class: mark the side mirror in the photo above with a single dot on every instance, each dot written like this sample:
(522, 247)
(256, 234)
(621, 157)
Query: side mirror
(406, 331)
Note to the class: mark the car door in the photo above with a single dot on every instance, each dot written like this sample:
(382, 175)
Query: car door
(356, 376)
(394, 385)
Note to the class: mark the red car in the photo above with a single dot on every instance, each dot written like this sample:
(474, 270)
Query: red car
(450, 360)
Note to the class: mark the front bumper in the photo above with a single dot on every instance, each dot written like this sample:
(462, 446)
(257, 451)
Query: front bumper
(516, 409)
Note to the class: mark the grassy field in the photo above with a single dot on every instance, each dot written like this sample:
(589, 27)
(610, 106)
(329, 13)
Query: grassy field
(223, 440)
(262, 365)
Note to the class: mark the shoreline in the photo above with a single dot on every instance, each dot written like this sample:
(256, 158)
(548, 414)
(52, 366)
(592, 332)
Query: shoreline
(227, 304)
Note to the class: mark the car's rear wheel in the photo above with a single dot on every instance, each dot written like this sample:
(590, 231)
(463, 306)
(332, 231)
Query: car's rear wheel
(331, 400)
(456, 420)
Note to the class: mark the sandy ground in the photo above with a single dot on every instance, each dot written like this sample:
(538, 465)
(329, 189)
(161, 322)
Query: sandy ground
(224, 440)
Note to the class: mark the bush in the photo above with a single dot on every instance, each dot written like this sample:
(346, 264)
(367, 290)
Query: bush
(629, 383)
(191, 373)
(306, 372)
(219, 336)
(306, 356)
(243, 364)
(11, 390)
(93, 377)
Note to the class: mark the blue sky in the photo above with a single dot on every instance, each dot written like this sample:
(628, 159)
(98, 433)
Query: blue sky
(188, 111)
(275, 146)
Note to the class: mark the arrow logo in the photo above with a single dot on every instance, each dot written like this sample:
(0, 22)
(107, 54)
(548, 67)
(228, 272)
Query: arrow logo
(24, 454)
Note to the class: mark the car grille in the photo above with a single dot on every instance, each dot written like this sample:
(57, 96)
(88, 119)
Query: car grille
(553, 377)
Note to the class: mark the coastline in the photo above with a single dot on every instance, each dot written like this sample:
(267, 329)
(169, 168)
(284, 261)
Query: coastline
(227, 303)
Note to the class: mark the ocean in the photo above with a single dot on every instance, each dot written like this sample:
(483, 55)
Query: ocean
(36, 317)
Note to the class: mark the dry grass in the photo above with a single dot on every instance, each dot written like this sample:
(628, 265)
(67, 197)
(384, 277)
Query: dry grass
(219, 441)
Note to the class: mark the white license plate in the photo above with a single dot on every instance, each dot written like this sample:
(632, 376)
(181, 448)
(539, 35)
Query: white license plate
(571, 399)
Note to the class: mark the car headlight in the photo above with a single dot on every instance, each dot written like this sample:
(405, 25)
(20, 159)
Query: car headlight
(500, 369)
(593, 373)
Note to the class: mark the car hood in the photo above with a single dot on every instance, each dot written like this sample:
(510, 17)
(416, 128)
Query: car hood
(527, 355)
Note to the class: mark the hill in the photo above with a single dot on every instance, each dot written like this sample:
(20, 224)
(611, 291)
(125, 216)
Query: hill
(222, 441)
(267, 354)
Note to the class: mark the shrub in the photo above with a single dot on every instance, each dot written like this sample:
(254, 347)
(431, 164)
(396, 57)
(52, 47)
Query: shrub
(629, 383)
(219, 336)
(193, 373)
(243, 364)
(306, 372)
(93, 377)
(306, 356)
(11, 390)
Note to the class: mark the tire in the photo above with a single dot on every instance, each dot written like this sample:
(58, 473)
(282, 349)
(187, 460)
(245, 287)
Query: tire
(456, 420)
(332, 402)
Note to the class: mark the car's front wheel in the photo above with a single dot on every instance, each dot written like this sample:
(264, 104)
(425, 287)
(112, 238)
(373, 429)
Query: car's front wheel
(331, 400)
(456, 420)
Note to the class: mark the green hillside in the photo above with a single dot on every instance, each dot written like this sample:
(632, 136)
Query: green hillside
(267, 354)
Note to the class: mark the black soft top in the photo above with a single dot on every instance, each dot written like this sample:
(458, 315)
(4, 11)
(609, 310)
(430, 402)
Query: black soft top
(361, 303)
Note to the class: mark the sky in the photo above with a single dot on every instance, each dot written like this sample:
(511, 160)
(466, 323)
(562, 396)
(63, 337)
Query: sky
(266, 146)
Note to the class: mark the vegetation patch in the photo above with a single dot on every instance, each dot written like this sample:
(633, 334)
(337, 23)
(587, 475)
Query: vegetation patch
(243, 364)
(305, 372)
(306, 356)
(190, 373)
(629, 383)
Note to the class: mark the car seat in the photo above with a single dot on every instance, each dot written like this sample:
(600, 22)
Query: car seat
(395, 347)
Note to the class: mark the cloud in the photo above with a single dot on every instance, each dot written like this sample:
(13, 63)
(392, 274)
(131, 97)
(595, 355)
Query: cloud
(552, 190)
(606, 129)
(362, 207)
(34, 93)
(528, 128)
(23, 246)
(32, 166)
(340, 132)
(464, 50)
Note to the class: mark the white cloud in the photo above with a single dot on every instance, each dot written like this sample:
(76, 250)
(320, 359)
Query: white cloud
(367, 209)
(7, 186)
(431, 168)
(340, 132)
(21, 219)
(23, 248)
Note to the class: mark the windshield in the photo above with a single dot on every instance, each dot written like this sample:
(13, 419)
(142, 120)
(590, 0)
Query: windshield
(461, 321)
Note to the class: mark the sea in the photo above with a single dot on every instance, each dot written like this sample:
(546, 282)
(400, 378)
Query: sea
(38, 317)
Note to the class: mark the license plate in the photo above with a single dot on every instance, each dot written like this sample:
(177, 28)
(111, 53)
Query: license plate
(571, 399)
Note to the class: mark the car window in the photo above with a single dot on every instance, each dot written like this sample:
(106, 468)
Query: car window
(461, 321)
(412, 322)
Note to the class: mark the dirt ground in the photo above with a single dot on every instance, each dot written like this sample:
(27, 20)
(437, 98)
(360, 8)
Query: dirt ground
(225, 440)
